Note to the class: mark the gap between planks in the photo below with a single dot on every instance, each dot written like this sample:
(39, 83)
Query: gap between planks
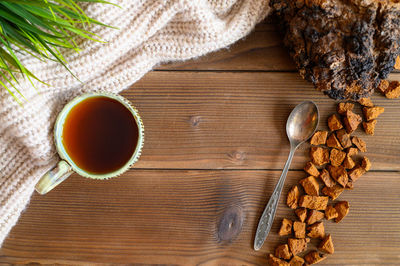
(242, 169)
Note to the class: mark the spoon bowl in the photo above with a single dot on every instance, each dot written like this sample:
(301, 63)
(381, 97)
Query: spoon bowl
(301, 124)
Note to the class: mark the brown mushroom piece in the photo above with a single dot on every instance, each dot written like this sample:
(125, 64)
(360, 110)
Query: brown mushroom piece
(299, 229)
(334, 122)
(366, 102)
(330, 212)
(369, 127)
(326, 178)
(333, 192)
(319, 138)
(351, 121)
(293, 197)
(359, 143)
(313, 202)
(274, 261)
(366, 163)
(372, 113)
(314, 216)
(319, 156)
(333, 142)
(339, 174)
(393, 90)
(311, 169)
(326, 245)
(296, 261)
(343, 107)
(316, 230)
(337, 157)
(344, 138)
(282, 252)
(286, 227)
(310, 185)
(314, 257)
(298, 245)
(383, 86)
(342, 208)
(301, 214)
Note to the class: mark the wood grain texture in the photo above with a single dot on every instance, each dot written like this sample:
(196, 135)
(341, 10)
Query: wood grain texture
(173, 217)
(208, 120)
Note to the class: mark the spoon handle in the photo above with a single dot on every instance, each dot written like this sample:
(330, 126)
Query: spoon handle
(265, 223)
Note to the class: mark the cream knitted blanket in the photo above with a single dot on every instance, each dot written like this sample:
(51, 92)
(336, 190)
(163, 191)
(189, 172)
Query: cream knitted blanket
(150, 32)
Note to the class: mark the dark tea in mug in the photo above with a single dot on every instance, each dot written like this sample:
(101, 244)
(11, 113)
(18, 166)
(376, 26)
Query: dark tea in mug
(100, 135)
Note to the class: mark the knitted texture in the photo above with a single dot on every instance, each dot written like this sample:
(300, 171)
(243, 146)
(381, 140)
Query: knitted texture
(150, 32)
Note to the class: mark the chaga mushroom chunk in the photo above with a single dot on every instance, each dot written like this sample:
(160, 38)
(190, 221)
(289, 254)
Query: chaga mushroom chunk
(351, 121)
(274, 261)
(301, 214)
(330, 212)
(342, 208)
(298, 245)
(293, 197)
(344, 138)
(310, 185)
(371, 113)
(356, 173)
(337, 157)
(345, 48)
(366, 102)
(359, 143)
(333, 142)
(299, 229)
(352, 151)
(286, 227)
(314, 216)
(311, 169)
(296, 261)
(343, 107)
(313, 202)
(397, 64)
(282, 252)
(326, 178)
(334, 122)
(393, 90)
(348, 162)
(349, 185)
(319, 156)
(326, 245)
(339, 173)
(369, 127)
(316, 230)
(333, 192)
(366, 163)
(314, 257)
(319, 138)
(383, 86)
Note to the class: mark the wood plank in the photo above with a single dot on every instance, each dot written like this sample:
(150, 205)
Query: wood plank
(261, 50)
(208, 120)
(174, 217)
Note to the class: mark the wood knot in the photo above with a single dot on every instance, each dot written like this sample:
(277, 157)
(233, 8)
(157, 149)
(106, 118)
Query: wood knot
(195, 120)
(237, 155)
(230, 224)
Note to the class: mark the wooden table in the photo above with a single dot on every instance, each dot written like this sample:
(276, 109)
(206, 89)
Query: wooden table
(214, 149)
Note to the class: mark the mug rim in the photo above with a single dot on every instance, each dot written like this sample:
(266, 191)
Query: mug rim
(59, 126)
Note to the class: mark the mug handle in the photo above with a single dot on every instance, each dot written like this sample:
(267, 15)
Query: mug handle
(53, 177)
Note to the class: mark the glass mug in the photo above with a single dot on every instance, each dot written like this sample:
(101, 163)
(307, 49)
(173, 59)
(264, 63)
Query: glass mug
(97, 135)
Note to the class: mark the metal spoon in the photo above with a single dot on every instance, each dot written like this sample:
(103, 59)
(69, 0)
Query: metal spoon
(300, 126)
